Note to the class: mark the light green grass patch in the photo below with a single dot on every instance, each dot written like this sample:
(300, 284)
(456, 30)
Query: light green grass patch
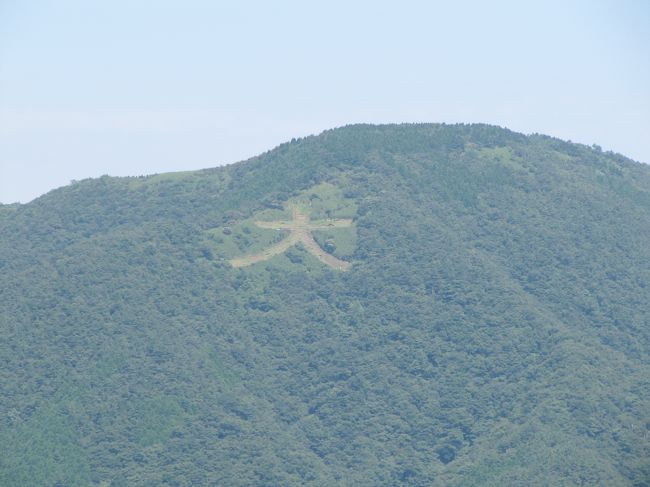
(502, 156)
(322, 202)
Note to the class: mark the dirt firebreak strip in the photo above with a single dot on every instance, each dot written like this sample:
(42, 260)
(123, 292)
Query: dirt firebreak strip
(300, 232)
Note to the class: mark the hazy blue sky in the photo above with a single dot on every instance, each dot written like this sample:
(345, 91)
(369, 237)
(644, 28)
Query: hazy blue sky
(128, 87)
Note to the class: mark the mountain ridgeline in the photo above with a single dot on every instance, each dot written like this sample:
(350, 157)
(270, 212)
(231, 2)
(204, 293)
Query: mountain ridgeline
(417, 305)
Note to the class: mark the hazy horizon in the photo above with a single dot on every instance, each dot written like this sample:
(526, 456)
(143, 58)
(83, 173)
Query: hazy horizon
(132, 88)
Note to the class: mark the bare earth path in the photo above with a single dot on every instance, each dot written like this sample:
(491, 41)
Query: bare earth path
(300, 228)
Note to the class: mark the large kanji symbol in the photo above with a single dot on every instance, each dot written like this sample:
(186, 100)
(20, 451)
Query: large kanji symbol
(300, 229)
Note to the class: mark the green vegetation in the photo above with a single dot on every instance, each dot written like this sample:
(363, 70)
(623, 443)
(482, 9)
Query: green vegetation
(254, 236)
(494, 329)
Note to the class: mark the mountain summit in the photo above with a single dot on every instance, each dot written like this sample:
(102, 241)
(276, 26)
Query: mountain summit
(418, 305)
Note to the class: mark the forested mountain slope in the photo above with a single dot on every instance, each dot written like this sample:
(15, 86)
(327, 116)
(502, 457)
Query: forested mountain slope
(492, 328)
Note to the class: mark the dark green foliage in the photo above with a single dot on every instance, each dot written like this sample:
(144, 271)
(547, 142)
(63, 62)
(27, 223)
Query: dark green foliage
(493, 330)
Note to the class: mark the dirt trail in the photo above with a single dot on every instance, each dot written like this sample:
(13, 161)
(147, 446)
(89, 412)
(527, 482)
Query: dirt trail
(300, 228)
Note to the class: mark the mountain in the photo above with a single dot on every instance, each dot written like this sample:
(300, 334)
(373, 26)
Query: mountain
(417, 305)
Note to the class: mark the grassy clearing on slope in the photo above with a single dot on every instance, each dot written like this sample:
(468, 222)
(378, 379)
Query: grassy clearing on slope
(324, 201)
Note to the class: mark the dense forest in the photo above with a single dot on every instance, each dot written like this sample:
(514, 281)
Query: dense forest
(493, 328)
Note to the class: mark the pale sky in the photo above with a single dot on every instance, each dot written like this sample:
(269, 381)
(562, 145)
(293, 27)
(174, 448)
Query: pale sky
(131, 87)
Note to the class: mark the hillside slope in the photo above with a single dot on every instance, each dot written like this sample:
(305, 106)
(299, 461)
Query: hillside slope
(493, 328)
